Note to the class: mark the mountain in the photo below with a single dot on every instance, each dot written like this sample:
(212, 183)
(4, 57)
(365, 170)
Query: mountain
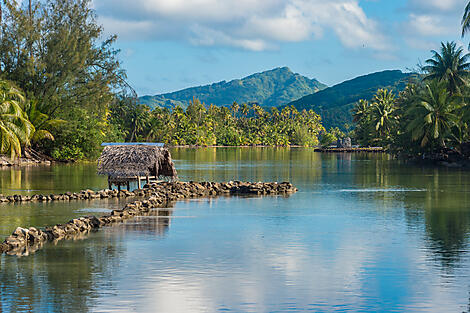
(334, 104)
(271, 88)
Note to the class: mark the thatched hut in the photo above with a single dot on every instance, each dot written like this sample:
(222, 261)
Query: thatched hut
(124, 163)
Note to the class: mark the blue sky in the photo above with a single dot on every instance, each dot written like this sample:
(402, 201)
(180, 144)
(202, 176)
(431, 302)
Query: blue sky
(168, 45)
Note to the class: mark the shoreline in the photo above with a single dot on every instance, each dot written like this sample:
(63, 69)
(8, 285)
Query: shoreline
(351, 150)
(6, 162)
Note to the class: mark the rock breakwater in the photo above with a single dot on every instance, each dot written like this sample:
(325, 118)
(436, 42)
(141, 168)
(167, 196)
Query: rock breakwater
(157, 195)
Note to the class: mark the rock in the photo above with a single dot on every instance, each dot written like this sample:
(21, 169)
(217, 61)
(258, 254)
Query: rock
(3, 248)
(58, 232)
(20, 232)
(93, 221)
(24, 241)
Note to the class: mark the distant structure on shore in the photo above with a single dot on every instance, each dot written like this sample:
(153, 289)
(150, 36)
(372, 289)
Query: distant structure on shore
(344, 143)
(127, 162)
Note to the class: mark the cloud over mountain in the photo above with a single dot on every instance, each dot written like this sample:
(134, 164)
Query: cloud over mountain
(248, 24)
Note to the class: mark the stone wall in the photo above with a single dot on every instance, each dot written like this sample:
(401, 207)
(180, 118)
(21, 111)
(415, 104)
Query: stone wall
(27, 240)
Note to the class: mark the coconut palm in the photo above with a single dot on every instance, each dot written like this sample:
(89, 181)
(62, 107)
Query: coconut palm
(235, 107)
(432, 115)
(42, 122)
(15, 128)
(360, 110)
(382, 113)
(245, 109)
(466, 20)
(450, 65)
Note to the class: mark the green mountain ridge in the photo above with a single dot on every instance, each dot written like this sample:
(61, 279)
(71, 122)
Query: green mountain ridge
(334, 104)
(271, 88)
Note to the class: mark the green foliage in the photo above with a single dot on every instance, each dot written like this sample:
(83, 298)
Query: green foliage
(15, 128)
(428, 116)
(450, 66)
(268, 89)
(334, 104)
(236, 125)
(43, 124)
(332, 136)
(327, 139)
(338, 133)
(377, 122)
(432, 116)
(466, 20)
(70, 152)
(56, 56)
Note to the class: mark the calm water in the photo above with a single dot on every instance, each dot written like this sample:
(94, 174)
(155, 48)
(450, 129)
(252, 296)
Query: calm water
(364, 233)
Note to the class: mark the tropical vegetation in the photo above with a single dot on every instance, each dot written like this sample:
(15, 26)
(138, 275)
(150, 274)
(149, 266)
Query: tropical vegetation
(334, 104)
(430, 116)
(204, 125)
(63, 92)
(56, 70)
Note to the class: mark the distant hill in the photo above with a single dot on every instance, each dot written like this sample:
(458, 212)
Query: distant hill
(334, 104)
(269, 89)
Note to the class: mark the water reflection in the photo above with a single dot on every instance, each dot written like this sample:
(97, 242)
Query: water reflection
(268, 164)
(155, 223)
(364, 233)
(441, 202)
(50, 179)
(41, 214)
(66, 275)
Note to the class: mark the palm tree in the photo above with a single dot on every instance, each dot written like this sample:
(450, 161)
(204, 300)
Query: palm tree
(382, 113)
(360, 110)
(450, 65)
(235, 107)
(245, 109)
(15, 128)
(432, 115)
(466, 20)
(140, 120)
(42, 122)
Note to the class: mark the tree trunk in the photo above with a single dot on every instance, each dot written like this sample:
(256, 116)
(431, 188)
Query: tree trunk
(31, 26)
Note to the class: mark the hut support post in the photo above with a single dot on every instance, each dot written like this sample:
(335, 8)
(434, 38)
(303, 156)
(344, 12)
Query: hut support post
(119, 187)
(138, 182)
(128, 186)
(147, 179)
(110, 186)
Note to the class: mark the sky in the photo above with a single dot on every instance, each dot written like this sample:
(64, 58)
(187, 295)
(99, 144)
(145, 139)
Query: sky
(168, 45)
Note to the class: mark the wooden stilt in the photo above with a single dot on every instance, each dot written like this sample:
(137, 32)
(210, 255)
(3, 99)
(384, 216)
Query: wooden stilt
(148, 179)
(128, 186)
(138, 182)
(119, 187)
(110, 186)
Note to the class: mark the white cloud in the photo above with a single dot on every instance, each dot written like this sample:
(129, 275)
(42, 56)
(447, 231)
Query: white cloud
(437, 5)
(249, 24)
(420, 44)
(204, 36)
(431, 21)
(428, 25)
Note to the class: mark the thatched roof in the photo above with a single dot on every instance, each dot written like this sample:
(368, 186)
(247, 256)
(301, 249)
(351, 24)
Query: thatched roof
(122, 161)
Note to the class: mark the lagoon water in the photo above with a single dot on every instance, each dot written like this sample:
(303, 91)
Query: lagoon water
(364, 233)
